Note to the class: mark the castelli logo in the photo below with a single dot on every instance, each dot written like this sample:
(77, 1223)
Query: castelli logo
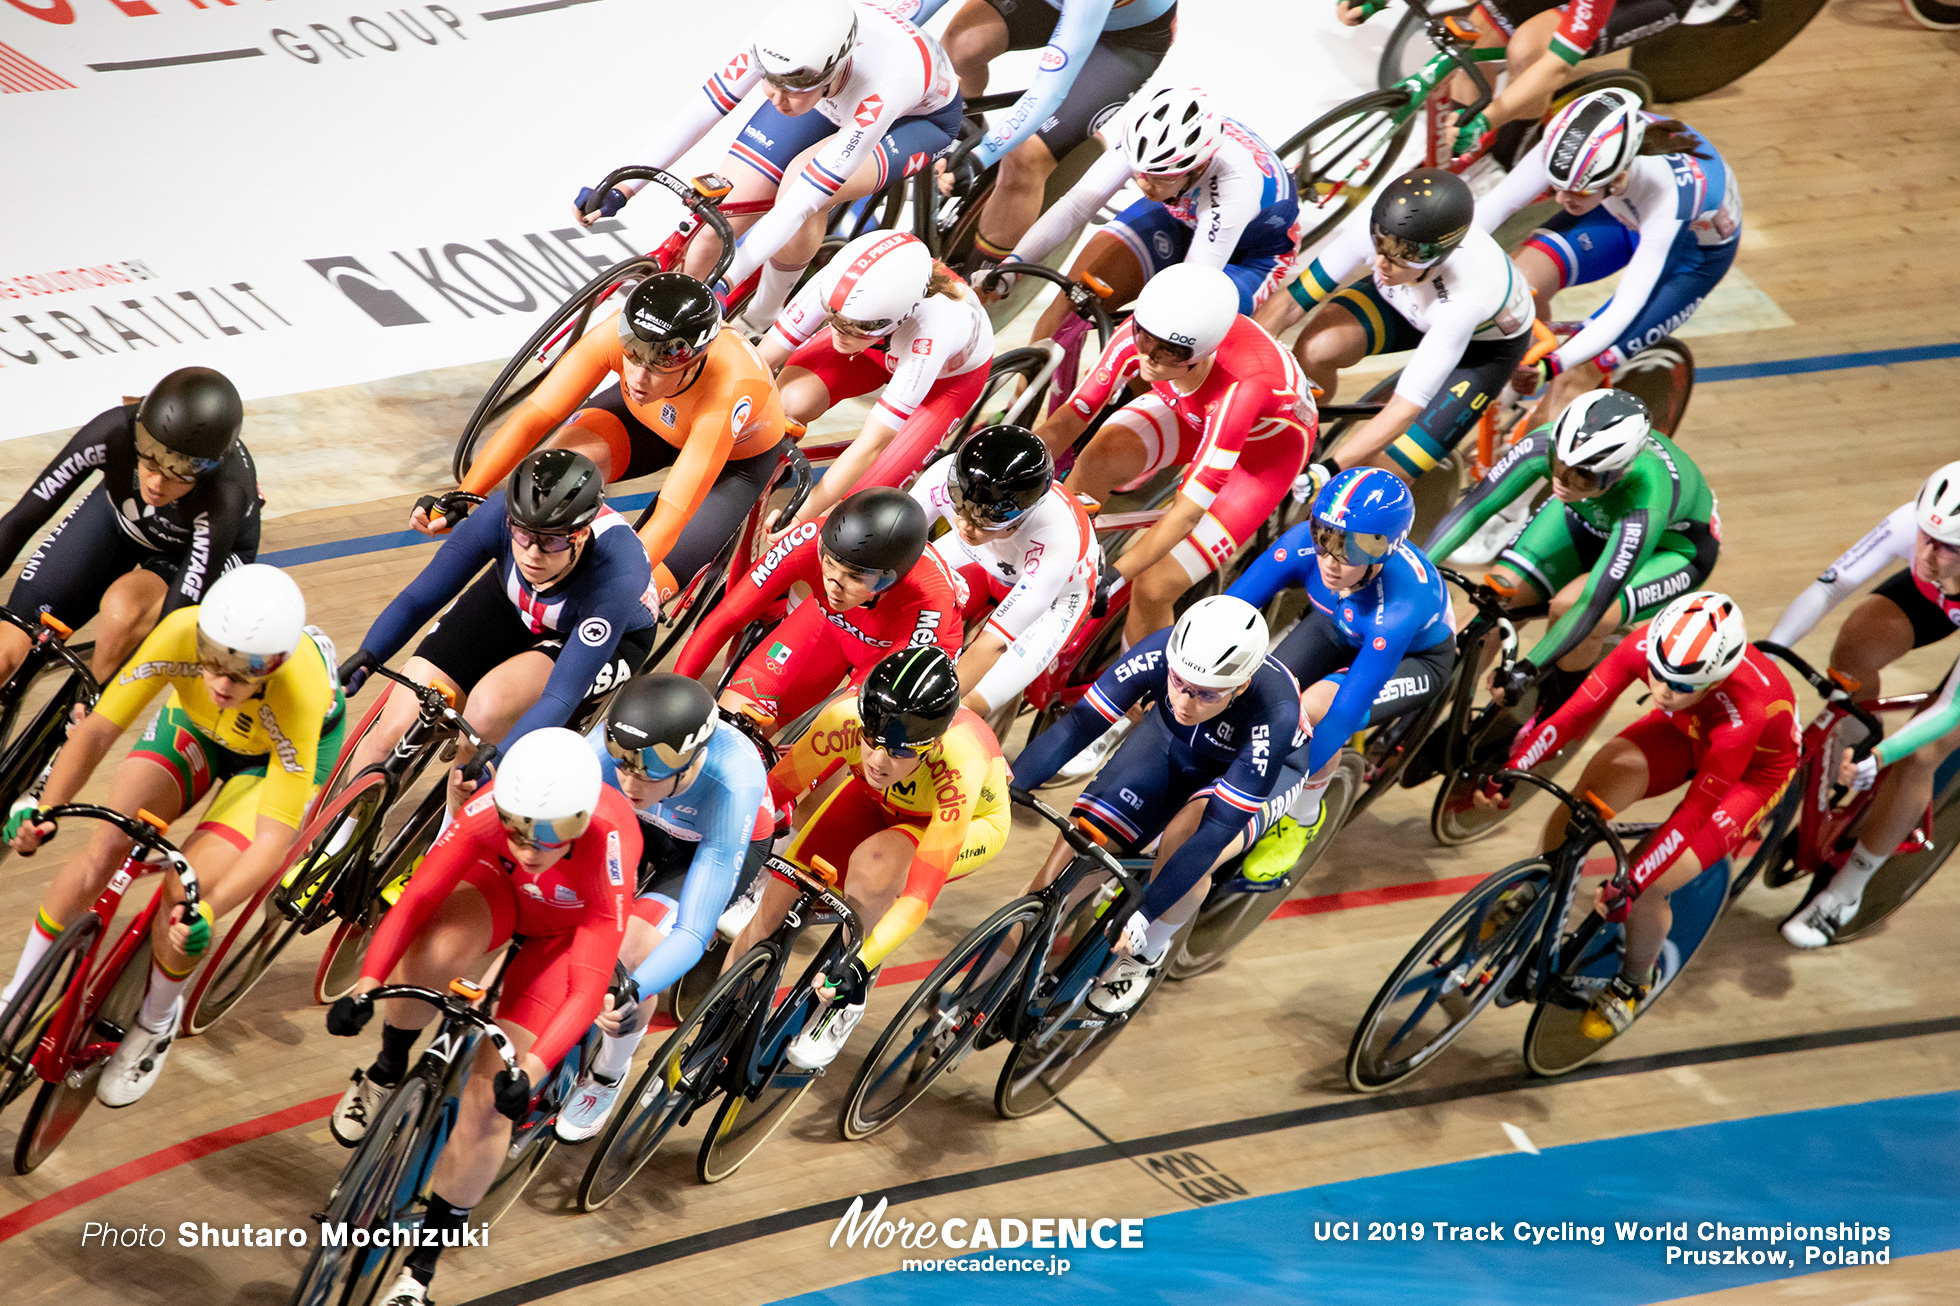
(868, 110)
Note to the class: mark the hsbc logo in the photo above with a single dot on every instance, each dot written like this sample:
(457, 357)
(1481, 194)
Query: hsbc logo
(868, 110)
(737, 69)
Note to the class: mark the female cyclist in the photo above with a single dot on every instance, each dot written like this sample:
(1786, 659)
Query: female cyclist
(883, 313)
(1644, 196)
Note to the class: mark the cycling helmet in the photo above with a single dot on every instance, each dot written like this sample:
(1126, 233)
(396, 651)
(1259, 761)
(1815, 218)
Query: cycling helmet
(1175, 131)
(1600, 433)
(908, 700)
(1938, 509)
(884, 280)
(1218, 643)
(999, 473)
(554, 492)
(1698, 639)
(1421, 216)
(803, 42)
(1363, 515)
(878, 533)
(1188, 307)
(189, 422)
(669, 320)
(251, 620)
(546, 788)
(658, 723)
(1594, 139)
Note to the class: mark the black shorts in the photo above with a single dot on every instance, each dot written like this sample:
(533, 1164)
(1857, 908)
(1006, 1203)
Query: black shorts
(482, 631)
(665, 862)
(1117, 67)
(1632, 20)
(1929, 624)
(738, 485)
(88, 552)
(1314, 650)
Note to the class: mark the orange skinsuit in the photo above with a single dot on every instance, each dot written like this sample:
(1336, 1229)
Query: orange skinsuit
(729, 410)
(953, 807)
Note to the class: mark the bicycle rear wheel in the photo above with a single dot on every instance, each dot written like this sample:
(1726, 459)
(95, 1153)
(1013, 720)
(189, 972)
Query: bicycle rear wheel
(1688, 61)
(1341, 156)
(1409, 46)
(58, 1107)
(684, 1074)
(1902, 875)
(1661, 376)
(34, 746)
(340, 963)
(937, 1025)
(1454, 818)
(24, 1020)
(375, 1190)
(1450, 975)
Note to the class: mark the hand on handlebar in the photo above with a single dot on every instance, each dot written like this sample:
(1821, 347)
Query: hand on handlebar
(1860, 773)
(1130, 942)
(848, 985)
(1614, 900)
(25, 830)
(193, 937)
(991, 285)
(350, 1014)
(1508, 684)
(512, 1090)
(1469, 134)
(959, 173)
(438, 514)
(615, 200)
(354, 672)
(1355, 14)
(1492, 793)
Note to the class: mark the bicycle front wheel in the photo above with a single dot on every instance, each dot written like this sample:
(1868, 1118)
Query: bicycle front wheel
(1904, 874)
(1340, 157)
(937, 1025)
(1449, 977)
(374, 1192)
(59, 1106)
(25, 1019)
(684, 1074)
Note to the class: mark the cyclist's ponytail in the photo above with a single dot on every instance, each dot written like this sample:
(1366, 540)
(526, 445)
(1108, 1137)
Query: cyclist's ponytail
(1671, 136)
(944, 281)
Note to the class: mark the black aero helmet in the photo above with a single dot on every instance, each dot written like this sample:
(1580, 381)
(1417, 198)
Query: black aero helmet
(999, 473)
(554, 492)
(1422, 215)
(658, 723)
(878, 532)
(909, 699)
(189, 422)
(669, 320)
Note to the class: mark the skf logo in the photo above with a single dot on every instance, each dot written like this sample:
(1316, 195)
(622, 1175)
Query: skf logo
(774, 558)
(868, 110)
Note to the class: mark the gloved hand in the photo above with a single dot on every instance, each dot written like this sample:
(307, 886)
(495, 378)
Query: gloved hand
(1864, 771)
(848, 984)
(444, 512)
(1130, 942)
(1511, 682)
(199, 936)
(1533, 377)
(1469, 133)
(1313, 479)
(513, 1093)
(615, 200)
(1616, 900)
(354, 672)
(1107, 581)
(963, 172)
(25, 811)
(484, 763)
(350, 1014)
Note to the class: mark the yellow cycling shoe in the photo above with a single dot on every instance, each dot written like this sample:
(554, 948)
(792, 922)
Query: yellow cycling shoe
(393, 889)
(1614, 1009)
(1280, 848)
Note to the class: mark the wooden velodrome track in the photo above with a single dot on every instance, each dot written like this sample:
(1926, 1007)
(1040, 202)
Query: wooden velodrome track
(1846, 149)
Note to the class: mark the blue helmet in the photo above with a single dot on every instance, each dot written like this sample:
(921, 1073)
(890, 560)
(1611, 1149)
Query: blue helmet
(1362, 515)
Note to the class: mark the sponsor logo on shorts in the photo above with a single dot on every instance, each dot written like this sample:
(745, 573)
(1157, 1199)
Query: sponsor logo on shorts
(1398, 688)
(1656, 592)
(1657, 856)
(1161, 242)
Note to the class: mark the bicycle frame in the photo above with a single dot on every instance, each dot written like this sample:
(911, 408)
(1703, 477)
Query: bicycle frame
(757, 1057)
(48, 644)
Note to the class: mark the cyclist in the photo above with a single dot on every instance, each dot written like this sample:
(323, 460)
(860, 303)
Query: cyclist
(564, 611)
(1438, 285)
(1209, 769)
(923, 800)
(1375, 642)
(1025, 549)
(1643, 196)
(691, 395)
(1224, 401)
(855, 96)
(1214, 194)
(253, 715)
(882, 313)
(1914, 608)
(868, 586)
(701, 793)
(1095, 55)
(1630, 525)
(177, 507)
(542, 854)
(1724, 723)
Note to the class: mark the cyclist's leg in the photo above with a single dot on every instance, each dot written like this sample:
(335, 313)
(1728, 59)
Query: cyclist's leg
(816, 376)
(1140, 439)
(605, 430)
(1024, 657)
(1494, 24)
(921, 434)
(763, 149)
(1891, 621)
(791, 671)
(1648, 757)
(979, 34)
(508, 690)
(1338, 334)
(68, 573)
(1123, 255)
(1719, 836)
(1484, 370)
(737, 486)
(129, 611)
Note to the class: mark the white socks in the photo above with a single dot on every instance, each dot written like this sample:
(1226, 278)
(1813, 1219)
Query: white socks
(616, 1055)
(1157, 937)
(1306, 806)
(772, 292)
(1848, 885)
(38, 946)
(160, 999)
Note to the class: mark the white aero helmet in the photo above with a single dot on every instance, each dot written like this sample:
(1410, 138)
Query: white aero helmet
(1938, 510)
(1600, 433)
(251, 620)
(1188, 306)
(1698, 639)
(884, 279)
(1175, 131)
(1218, 643)
(547, 787)
(1594, 139)
(802, 43)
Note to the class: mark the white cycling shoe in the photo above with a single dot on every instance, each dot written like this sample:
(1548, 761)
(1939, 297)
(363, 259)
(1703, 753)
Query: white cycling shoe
(407, 1290)
(589, 1107)
(137, 1060)
(818, 1045)
(356, 1110)
(740, 911)
(1818, 924)
(1122, 984)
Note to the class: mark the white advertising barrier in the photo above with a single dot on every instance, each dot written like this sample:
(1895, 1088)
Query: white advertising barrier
(308, 193)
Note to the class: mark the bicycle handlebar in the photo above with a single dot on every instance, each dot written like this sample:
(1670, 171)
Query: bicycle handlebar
(1449, 42)
(828, 897)
(1086, 300)
(751, 731)
(146, 830)
(697, 201)
(1583, 812)
(1488, 601)
(454, 1010)
(56, 644)
(436, 705)
(1833, 692)
(1074, 836)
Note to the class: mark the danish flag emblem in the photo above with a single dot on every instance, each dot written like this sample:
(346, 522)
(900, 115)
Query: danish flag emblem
(868, 110)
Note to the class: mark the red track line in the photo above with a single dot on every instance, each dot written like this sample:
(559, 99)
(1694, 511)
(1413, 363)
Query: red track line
(87, 1190)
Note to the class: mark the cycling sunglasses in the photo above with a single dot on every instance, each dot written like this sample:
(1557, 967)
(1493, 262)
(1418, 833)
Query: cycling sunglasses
(1408, 253)
(541, 541)
(1579, 479)
(875, 581)
(528, 840)
(985, 515)
(1189, 690)
(1350, 548)
(1158, 350)
(167, 462)
(1675, 685)
(873, 329)
(799, 79)
(655, 762)
(668, 356)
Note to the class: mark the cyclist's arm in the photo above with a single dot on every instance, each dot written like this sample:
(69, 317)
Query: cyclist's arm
(1732, 745)
(1637, 283)
(1281, 567)
(1114, 693)
(577, 668)
(1889, 542)
(1633, 540)
(85, 451)
(1236, 797)
(1104, 178)
(557, 397)
(705, 446)
(801, 766)
(595, 943)
(747, 595)
(728, 827)
(1229, 201)
(226, 508)
(1524, 465)
(719, 96)
(1521, 186)
(939, 849)
(1933, 723)
(440, 872)
(1113, 369)
(1345, 254)
(802, 317)
(1074, 36)
(1581, 712)
(461, 556)
(1373, 667)
(295, 707)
